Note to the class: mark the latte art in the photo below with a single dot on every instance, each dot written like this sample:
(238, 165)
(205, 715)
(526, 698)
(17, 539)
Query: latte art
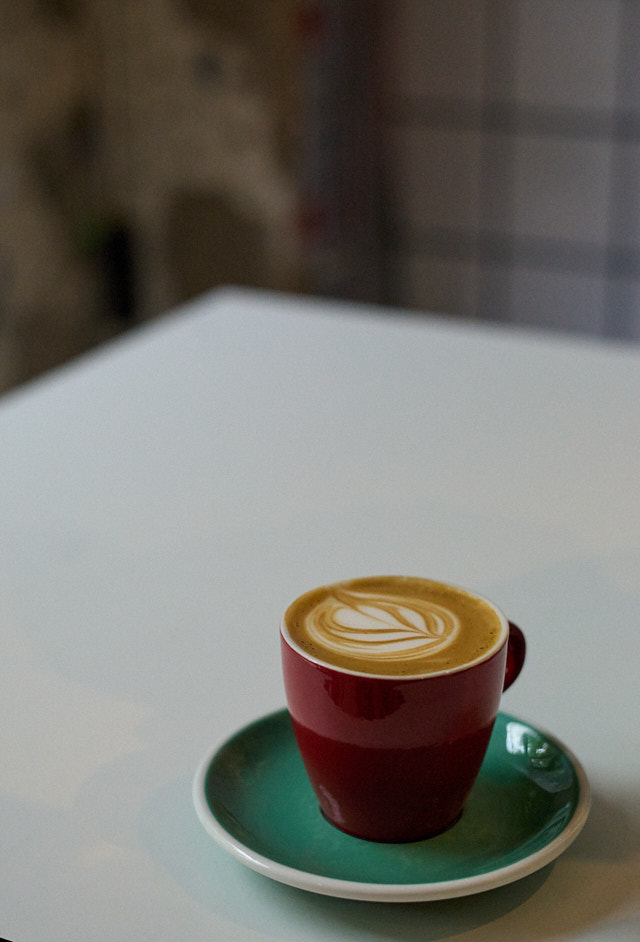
(395, 625)
(370, 626)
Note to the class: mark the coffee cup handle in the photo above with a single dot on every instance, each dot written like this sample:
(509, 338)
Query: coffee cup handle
(516, 651)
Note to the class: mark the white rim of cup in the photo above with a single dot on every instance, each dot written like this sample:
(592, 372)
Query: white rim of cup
(504, 638)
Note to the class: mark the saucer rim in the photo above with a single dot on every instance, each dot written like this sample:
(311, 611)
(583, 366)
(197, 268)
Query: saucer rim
(391, 892)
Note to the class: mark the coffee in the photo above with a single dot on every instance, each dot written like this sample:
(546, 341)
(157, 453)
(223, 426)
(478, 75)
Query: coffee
(395, 626)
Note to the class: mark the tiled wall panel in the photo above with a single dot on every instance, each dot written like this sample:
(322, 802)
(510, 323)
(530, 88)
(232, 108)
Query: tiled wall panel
(513, 131)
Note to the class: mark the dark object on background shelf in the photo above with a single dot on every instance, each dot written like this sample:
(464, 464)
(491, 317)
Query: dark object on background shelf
(116, 255)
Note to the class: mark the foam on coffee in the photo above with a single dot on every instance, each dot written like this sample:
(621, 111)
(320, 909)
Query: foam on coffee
(395, 625)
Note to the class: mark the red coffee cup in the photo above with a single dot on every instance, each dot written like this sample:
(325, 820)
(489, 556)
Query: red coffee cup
(393, 759)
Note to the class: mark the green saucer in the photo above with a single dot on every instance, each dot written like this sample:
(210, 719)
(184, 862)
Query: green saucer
(529, 803)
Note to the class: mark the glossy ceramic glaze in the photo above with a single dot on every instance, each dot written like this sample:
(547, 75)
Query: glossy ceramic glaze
(530, 801)
(391, 758)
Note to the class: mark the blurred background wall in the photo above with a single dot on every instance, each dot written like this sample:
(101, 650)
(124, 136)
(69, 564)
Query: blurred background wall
(145, 156)
(514, 164)
(474, 157)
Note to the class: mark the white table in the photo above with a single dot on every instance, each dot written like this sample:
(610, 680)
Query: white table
(161, 502)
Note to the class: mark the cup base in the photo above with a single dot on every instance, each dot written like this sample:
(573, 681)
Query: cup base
(403, 838)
